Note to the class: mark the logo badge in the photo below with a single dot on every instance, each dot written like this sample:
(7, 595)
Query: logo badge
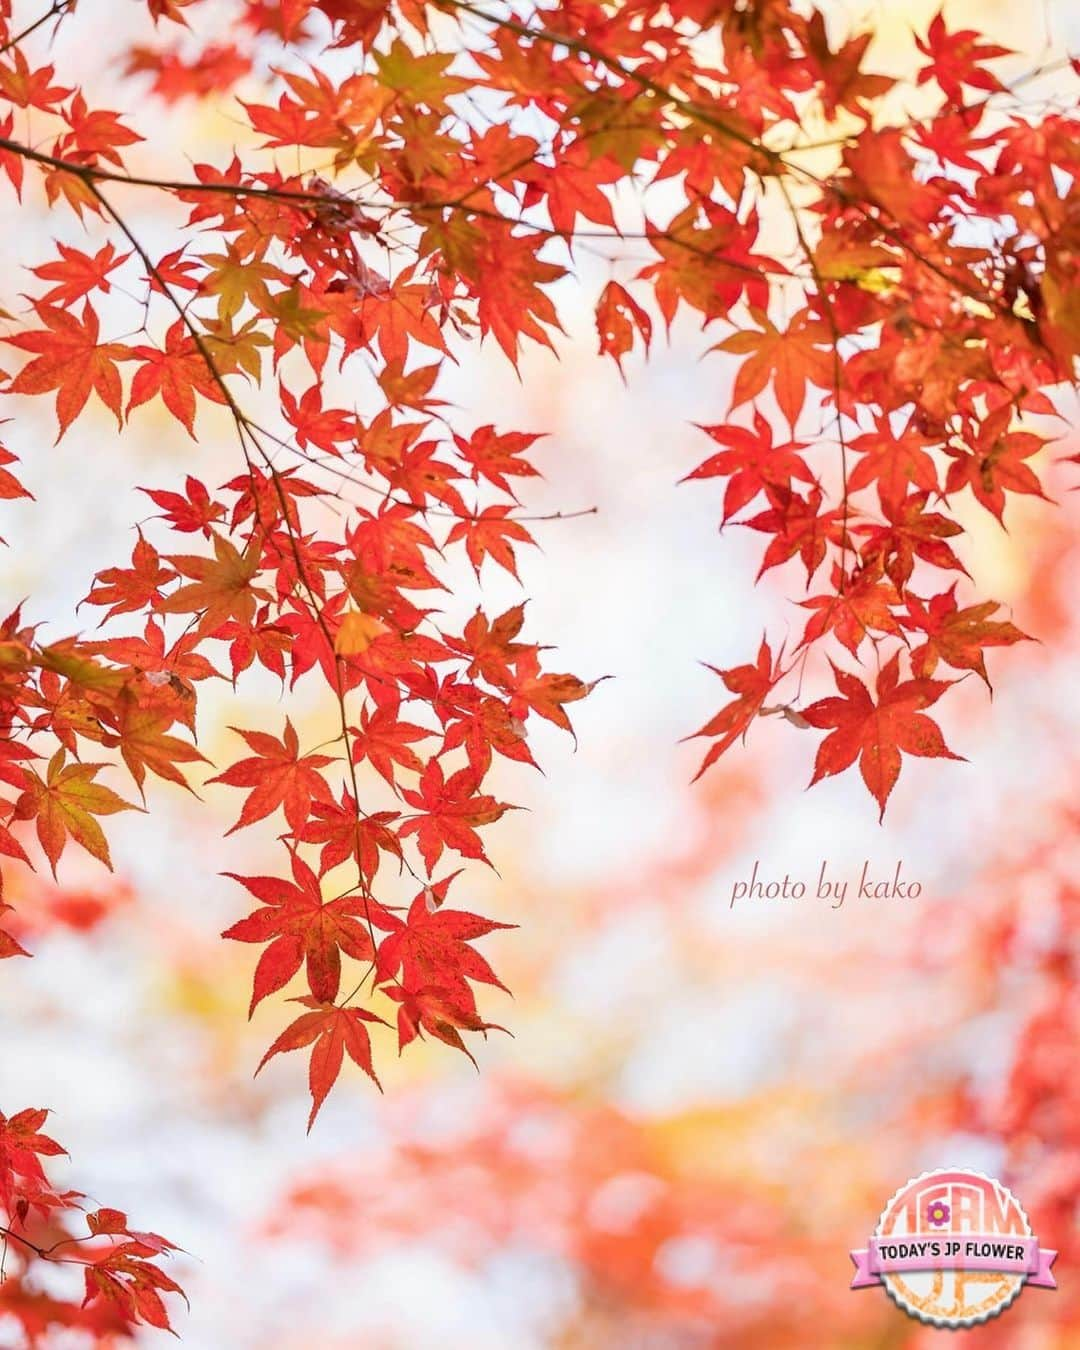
(953, 1248)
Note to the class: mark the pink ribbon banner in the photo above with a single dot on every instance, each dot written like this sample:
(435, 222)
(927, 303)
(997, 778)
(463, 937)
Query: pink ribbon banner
(1012, 1254)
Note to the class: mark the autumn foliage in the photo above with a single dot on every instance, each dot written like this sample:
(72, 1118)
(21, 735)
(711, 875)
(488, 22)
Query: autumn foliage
(123, 1283)
(892, 291)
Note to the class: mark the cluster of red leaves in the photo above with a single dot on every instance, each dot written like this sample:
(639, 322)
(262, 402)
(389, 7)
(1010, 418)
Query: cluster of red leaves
(929, 321)
(925, 304)
(287, 278)
(122, 1282)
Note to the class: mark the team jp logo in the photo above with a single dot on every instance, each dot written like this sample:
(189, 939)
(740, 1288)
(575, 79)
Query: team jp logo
(953, 1248)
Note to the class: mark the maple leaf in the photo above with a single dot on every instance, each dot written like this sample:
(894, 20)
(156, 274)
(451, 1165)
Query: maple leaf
(618, 316)
(220, 588)
(911, 532)
(94, 133)
(178, 664)
(410, 390)
(508, 280)
(711, 266)
(894, 463)
(751, 685)
(884, 173)
(784, 359)
(278, 776)
(356, 632)
(544, 692)
(488, 535)
(385, 740)
(994, 463)
(432, 946)
(955, 59)
(236, 281)
(799, 527)
(30, 87)
(77, 274)
(188, 513)
(8, 946)
(858, 607)
(67, 802)
(128, 590)
(69, 359)
(303, 929)
(442, 1013)
(449, 811)
(482, 724)
(497, 457)
(751, 462)
(575, 187)
(22, 1146)
(875, 733)
(418, 79)
(122, 1274)
(175, 375)
(10, 487)
(345, 833)
(216, 69)
(12, 164)
(314, 424)
(141, 732)
(844, 84)
(954, 635)
(490, 646)
(334, 1032)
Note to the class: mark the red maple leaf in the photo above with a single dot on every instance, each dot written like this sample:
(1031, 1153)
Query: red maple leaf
(450, 809)
(432, 945)
(385, 740)
(77, 274)
(174, 375)
(489, 534)
(751, 685)
(126, 590)
(497, 457)
(857, 608)
(303, 929)
(442, 1013)
(278, 776)
(69, 359)
(875, 733)
(784, 359)
(618, 317)
(334, 1032)
(894, 463)
(799, 526)
(751, 463)
(993, 463)
(954, 635)
(345, 833)
(911, 532)
(955, 59)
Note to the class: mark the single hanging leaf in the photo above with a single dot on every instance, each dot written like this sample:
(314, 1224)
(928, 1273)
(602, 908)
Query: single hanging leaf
(334, 1032)
(751, 685)
(875, 732)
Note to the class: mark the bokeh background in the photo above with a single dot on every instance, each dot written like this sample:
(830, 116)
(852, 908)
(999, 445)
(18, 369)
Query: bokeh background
(704, 1105)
